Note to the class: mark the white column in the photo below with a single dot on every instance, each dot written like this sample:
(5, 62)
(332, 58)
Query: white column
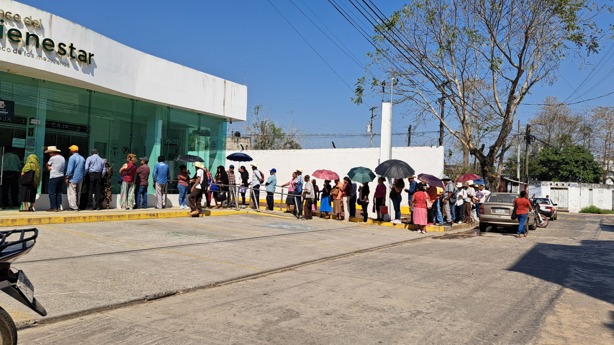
(385, 148)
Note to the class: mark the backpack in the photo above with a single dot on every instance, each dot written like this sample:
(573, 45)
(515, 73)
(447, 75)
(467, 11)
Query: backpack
(261, 176)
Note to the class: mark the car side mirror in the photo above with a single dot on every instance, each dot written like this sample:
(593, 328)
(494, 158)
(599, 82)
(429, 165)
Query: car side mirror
(554, 205)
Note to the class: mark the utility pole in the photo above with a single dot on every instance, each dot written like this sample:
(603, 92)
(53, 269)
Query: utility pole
(371, 126)
(443, 101)
(409, 136)
(518, 155)
(527, 140)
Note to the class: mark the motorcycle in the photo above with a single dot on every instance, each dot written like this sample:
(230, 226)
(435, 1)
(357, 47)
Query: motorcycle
(541, 219)
(13, 244)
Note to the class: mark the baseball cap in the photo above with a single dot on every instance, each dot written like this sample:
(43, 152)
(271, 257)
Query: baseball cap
(232, 166)
(73, 148)
(274, 170)
(144, 159)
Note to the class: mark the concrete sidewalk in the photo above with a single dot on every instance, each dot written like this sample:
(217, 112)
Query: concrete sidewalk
(77, 270)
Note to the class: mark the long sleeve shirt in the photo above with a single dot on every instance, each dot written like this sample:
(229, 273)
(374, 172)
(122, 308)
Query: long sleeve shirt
(75, 169)
(94, 163)
(161, 173)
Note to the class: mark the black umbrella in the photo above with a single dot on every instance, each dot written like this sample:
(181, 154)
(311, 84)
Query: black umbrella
(394, 168)
(239, 157)
(189, 158)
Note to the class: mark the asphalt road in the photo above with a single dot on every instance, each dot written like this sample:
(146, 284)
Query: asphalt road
(554, 287)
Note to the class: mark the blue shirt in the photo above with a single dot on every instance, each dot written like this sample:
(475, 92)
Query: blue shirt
(298, 185)
(76, 168)
(160, 173)
(94, 163)
(271, 182)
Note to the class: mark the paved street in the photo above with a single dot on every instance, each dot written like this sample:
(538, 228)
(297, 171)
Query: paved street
(556, 286)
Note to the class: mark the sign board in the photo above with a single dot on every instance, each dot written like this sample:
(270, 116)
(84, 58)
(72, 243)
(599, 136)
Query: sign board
(19, 143)
(7, 109)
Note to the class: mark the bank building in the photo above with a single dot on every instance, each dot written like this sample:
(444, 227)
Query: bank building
(63, 84)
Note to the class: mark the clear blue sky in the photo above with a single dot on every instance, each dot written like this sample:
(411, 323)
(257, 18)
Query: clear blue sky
(251, 43)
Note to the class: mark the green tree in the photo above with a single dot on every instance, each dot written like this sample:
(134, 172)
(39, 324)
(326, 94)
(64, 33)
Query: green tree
(266, 135)
(483, 57)
(570, 163)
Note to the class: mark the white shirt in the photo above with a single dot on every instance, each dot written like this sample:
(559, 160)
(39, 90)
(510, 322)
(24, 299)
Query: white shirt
(308, 190)
(486, 193)
(460, 196)
(200, 174)
(256, 178)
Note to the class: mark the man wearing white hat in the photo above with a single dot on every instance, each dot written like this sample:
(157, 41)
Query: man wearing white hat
(55, 166)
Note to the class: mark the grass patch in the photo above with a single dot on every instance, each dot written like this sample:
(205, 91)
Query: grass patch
(596, 210)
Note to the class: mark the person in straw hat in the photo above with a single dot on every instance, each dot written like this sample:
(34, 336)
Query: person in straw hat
(196, 192)
(55, 166)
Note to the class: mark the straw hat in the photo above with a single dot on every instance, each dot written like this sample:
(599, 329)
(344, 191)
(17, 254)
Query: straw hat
(199, 165)
(52, 149)
(459, 184)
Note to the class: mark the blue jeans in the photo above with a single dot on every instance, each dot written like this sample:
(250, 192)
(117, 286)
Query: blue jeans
(141, 196)
(522, 226)
(452, 212)
(396, 202)
(183, 191)
(438, 214)
(55, 192)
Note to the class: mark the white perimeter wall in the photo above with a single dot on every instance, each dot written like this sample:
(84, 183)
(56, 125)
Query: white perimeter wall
(116, 69)
(423, 159)
(573, 197)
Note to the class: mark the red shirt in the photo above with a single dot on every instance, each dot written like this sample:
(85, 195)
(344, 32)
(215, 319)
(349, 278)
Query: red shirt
(522, 205)
(129, 172)
(380, 191)
(419, 199)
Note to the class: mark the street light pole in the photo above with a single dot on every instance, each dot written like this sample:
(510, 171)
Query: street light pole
(371, 126)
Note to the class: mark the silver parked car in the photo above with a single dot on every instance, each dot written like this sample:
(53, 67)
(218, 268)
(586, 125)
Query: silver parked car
(497, 211)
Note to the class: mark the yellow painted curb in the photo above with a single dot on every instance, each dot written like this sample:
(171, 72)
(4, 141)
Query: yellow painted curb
(40, 218)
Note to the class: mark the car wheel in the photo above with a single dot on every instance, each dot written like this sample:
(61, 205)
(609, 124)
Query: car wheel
(483, 227)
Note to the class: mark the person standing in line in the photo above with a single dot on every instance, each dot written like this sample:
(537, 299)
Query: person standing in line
(11, 167)
(206, 185)
(448, 199)
(257, 179)
(420, 207)
(183, 185)
(55, 166)
(270, 184)
(196, 193)
(142, 183)
(337, 194)
(347, 193)
(232, 187)
(316, 190)
(309, 195)
(75, 172)
(325, 208)
(353, 198)
(94, 167)
(410, 192)
(364, 200)
(523, 207)
(108, 184)
(27, 190)
(461, 194)
(244, 184)
(380, 195)
(298, 193)
(290, 198)
(161, 175)
(128, 172)
(395, 197)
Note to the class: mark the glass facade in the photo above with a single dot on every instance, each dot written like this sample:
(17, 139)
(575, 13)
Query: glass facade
(48, 113)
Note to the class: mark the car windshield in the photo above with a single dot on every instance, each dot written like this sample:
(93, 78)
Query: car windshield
(504, 198)
(542, 200)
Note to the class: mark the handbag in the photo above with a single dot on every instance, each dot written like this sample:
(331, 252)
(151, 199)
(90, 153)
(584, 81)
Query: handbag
(27, 179)
(514, 215)
(429, 202)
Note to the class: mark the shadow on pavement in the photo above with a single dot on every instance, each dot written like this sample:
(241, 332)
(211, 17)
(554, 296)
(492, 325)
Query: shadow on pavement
(588, 268)
(607, 227)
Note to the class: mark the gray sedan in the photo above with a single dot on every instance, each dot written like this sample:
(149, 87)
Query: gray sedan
(497, 211)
